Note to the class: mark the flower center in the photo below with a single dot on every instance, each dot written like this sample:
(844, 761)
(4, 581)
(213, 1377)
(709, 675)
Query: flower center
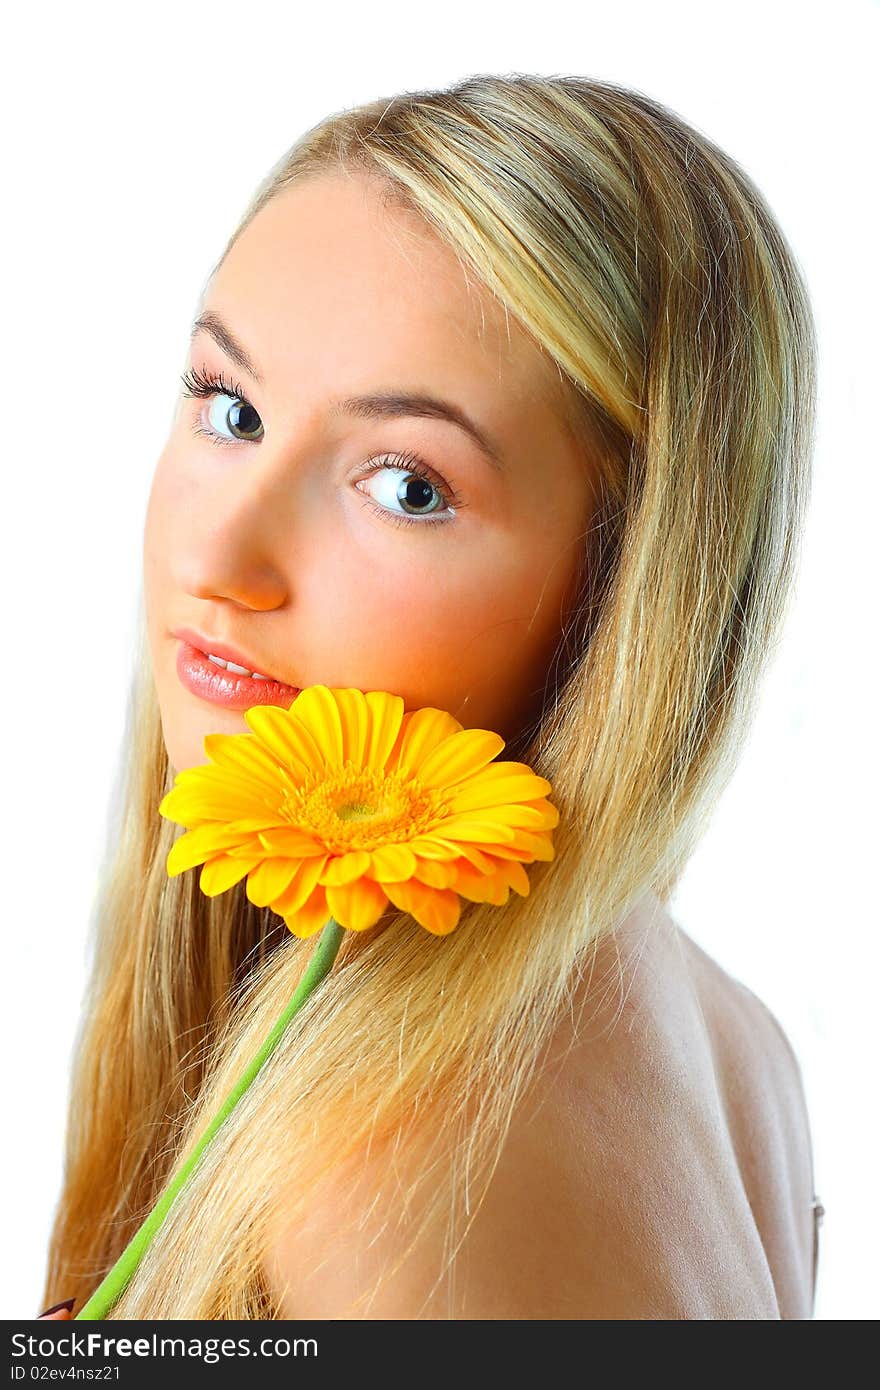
(354, 807)
(355, 810)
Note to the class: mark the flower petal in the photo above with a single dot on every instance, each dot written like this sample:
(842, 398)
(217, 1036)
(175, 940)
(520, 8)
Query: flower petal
(513, 852)
(477, 857)
(221, 873)
(290, 840)
(522, 815)
(394, 862)
(356, 905)
(485, 790)
(270, 879)
(470, 883)
(436, 847)
(459, 756)
(317, 711)
(386, 716)
(487, 888)
(354, 715)
(515, 875)
(434, 908)
(345, 868)
(497, 892)
(301, 886)
(431, 846)
(286, 737)
(311, 916)
(213, 793)
(469, 827)
(527, 846)
(436, 874)
(197, 846)
(420, 733)
(244, 754)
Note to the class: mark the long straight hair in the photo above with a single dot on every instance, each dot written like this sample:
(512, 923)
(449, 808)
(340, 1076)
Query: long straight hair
(648, 266)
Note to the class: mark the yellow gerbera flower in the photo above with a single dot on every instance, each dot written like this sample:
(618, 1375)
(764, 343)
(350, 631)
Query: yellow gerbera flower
(344, 802)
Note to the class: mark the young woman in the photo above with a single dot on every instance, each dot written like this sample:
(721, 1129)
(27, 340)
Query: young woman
(500, 398)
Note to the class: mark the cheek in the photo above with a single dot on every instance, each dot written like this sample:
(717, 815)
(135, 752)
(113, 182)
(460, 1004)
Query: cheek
(441, 593)
(391, 609)
(496, 590)
(439, 626)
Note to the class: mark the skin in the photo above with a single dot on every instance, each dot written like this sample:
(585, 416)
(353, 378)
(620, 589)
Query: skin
(270, 542)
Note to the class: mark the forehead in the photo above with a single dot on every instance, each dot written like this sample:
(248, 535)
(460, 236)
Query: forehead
(329, 282)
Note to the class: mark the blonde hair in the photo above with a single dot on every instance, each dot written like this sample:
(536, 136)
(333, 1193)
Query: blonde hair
(645, 262)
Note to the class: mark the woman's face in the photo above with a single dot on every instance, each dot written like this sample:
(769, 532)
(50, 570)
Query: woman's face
(304, 539)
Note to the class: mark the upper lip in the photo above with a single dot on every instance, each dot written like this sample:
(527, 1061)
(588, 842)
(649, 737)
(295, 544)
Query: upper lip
(212, 646)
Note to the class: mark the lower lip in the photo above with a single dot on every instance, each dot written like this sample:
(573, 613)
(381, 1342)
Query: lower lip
(212, 682)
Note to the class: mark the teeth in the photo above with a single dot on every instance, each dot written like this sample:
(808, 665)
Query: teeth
(239, 670)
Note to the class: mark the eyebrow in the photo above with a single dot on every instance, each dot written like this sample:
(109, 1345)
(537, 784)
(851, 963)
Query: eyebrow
(377, 405)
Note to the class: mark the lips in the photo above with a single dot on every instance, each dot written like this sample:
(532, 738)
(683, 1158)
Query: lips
(219, 686)
(216, 647)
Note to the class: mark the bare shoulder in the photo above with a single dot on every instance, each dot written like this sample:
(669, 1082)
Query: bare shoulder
(762, 1087)
(687, 1096)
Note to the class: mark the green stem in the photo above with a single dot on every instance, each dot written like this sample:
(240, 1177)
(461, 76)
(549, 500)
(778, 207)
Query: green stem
(115, 1281)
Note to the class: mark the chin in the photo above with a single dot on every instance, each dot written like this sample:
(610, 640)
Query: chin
(178, 751)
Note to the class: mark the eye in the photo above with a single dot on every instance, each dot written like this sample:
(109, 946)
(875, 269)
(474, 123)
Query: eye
(410, 484)
(240, 417)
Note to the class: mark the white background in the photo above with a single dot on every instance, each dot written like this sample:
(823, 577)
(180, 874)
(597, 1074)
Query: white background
(133, 138)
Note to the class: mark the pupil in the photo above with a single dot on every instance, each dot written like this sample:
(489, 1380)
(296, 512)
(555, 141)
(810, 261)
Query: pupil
(420, 486)
(248, 419)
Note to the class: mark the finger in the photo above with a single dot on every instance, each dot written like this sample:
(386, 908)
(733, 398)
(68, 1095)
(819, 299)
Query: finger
(58, 1311)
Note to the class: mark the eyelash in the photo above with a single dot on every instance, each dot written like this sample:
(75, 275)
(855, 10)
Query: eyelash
(203, 384)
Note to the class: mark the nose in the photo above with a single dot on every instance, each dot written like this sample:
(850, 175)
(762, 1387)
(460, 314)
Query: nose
(248, 530)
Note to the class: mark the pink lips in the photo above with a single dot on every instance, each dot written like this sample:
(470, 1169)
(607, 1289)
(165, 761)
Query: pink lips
(212, 682)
